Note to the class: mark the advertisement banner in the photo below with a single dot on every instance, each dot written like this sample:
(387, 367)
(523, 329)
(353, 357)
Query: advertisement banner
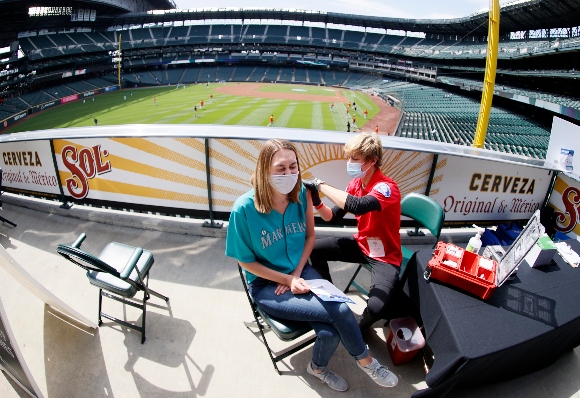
(27, 167)
(89, 93)
(110, 88)
(44, 106)
(475, 189)
(13, 119)
(147, 171)
(21, 115)
(69, 98)
(170, 172)
(565, 200)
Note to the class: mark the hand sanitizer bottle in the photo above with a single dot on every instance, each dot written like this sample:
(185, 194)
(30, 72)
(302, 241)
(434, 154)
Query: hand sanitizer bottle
(475, 243)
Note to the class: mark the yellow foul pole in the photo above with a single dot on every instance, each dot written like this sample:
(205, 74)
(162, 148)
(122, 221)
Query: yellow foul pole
(489, 80)
(119, 63)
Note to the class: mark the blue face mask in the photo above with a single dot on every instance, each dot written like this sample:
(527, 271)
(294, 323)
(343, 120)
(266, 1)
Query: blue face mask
(355, 170)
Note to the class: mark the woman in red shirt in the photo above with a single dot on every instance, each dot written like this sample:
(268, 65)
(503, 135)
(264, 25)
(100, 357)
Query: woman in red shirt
(375, 201)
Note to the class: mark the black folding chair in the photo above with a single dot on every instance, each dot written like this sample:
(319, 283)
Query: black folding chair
(120, 271)
(285, 330)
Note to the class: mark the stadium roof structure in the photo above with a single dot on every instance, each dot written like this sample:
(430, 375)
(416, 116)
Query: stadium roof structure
(14, 13)
(519, 15)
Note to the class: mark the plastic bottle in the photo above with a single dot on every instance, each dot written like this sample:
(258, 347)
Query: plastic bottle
(475, 243)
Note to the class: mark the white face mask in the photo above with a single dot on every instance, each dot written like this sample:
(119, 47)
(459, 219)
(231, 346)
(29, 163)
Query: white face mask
(355, 169)
(284, 183)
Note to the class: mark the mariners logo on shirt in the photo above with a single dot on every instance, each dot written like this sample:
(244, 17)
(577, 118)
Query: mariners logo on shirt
(384, 189)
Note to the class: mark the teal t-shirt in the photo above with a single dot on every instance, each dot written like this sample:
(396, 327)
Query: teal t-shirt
(275, 240)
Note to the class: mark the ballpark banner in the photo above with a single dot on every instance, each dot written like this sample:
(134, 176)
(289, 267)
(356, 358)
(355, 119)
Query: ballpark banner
(46, 105)
(69, 98)
(233, 162)
(28, 167)
(565, 200)
(476, 189)
(13, 119)
(89, 93)
(147, 171)
(171, 172)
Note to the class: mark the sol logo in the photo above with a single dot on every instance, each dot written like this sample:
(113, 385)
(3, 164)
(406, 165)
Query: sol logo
(571, 200)
(84, 165)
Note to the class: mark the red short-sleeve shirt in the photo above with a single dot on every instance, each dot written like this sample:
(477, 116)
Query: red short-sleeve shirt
(378, 231)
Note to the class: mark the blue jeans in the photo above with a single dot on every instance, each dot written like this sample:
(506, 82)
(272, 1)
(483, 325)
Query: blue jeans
(333, 322)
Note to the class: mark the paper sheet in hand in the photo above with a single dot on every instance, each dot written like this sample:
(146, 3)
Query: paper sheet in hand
(326, 291)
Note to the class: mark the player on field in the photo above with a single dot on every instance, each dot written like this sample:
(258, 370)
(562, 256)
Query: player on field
(354, 126)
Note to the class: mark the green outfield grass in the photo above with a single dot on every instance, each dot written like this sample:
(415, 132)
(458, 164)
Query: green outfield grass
(175, 106)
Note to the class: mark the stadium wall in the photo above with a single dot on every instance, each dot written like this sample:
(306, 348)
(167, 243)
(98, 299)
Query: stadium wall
(136, 168)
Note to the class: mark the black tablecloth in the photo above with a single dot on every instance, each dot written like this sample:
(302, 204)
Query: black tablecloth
(525, 326)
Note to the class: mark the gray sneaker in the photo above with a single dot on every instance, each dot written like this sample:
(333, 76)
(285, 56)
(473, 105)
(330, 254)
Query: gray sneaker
(333, 380)
(380, 374)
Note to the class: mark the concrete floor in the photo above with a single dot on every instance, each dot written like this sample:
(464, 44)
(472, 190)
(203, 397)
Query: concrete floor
(197, 345)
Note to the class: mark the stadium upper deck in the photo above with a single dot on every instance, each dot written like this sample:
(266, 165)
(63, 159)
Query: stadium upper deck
(516, 16)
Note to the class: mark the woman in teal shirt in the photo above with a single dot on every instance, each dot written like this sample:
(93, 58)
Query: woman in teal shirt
(271, 234)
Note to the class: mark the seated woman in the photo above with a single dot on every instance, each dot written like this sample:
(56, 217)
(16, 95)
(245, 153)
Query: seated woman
(271, 234)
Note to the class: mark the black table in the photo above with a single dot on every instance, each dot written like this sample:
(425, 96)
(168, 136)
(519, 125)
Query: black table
(525, 326)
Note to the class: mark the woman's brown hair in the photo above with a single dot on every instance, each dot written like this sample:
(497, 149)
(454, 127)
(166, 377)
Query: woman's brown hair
(263, 190)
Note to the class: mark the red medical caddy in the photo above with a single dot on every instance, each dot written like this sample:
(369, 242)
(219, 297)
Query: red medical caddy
(476, 274)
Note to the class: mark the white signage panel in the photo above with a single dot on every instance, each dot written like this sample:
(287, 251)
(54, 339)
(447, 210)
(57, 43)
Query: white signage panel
(28, 166)
(474, 189)
(564, 146)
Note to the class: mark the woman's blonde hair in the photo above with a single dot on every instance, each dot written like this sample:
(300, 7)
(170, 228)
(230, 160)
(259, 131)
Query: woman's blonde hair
(367, 145)
(263, 190)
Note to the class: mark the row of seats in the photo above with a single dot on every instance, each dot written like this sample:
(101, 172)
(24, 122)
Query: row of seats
(507, 49)
(144, 57)
(570, 102)
(433, 114)
(53, 45)
(243, 73)
(25, 101)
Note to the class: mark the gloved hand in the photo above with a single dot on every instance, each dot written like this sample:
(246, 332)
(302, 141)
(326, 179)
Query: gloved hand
(312, 185)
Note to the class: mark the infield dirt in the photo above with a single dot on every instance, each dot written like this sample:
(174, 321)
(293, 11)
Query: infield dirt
(386, 119)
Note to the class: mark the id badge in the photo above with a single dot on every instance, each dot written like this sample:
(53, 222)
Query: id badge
(376, 247)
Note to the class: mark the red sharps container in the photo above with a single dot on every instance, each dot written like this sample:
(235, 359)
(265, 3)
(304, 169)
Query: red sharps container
(405, 339)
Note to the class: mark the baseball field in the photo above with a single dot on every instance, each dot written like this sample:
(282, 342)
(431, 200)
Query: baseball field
(248, 104)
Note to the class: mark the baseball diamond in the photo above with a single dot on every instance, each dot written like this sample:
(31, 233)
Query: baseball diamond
(248, 104)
